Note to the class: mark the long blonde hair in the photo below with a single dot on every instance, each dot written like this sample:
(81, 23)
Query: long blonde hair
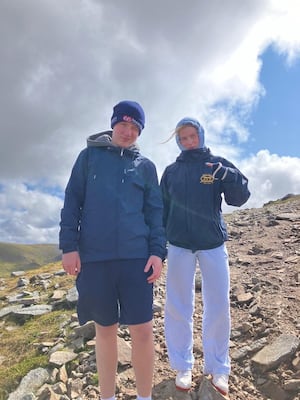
(176, 132)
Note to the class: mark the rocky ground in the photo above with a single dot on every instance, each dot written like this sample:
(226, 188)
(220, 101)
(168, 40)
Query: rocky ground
(265, 307)
(264, 250)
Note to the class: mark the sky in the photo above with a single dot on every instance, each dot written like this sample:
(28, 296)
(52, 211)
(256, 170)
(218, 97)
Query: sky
(66, 63)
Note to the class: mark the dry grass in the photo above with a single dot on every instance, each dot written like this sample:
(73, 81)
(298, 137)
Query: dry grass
(20, 344)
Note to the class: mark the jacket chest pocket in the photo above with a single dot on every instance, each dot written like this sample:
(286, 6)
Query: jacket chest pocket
(133, 191)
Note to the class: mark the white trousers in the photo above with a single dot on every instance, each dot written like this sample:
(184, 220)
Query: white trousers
(180, 304)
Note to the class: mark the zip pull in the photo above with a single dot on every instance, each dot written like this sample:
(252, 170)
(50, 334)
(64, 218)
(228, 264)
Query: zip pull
(124, 172)
(122, 152)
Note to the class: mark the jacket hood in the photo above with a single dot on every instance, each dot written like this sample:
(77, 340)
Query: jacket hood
(104, 139)
(189, 121)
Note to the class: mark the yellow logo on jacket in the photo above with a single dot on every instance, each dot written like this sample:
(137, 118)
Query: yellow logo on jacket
(207, 179)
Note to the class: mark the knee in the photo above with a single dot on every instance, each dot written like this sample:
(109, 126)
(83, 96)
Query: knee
(141, 332)
(105, 332)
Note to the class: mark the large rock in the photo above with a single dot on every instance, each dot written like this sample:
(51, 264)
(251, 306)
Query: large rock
(273, 354)
(208, 392)
(59, 358)
(30, 383)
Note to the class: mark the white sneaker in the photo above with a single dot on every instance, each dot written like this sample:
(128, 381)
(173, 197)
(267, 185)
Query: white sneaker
(220, 382)
(183, 380)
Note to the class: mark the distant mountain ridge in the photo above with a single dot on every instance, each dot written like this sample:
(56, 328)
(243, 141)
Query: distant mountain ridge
(26, 256)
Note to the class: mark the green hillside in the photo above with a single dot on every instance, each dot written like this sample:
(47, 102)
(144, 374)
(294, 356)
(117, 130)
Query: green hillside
(26, 256)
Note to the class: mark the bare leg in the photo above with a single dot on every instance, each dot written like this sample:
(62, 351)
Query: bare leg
(143, 356)
(107, 358)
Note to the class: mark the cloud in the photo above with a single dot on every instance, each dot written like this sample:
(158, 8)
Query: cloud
(28, 216)
(271, 177)
(66, 63)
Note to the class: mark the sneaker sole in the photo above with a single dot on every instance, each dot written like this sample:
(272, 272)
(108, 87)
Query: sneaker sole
(220, 390)
(182, 389)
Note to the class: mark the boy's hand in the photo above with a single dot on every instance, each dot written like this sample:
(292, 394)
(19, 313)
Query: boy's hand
(71, 263)
(155, 263)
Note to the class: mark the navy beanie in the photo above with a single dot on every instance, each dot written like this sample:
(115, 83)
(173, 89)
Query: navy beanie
(128, 111)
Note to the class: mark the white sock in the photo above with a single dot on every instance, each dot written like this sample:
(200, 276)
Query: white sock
(143, 398)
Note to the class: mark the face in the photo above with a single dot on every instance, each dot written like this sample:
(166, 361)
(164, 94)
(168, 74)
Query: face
(125, 134)
(189, 138)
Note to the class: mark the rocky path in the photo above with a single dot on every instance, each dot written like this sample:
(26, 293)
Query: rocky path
(264, 250)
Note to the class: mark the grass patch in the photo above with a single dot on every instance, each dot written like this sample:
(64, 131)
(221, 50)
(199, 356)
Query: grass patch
(10, 377)
(21, 344)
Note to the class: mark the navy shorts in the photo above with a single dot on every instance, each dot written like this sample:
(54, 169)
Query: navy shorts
(114, 291)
